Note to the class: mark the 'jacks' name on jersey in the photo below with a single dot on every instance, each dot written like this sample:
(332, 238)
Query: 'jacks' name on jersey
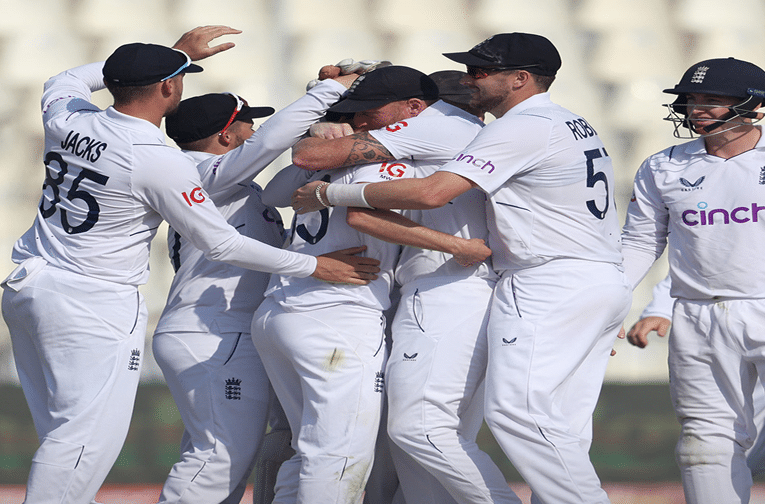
(87, 148)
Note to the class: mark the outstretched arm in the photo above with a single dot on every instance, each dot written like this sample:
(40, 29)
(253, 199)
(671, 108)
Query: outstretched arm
(394, 228)
(433, 191)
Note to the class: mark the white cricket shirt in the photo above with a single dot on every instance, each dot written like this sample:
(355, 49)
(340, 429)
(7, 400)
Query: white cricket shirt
(326, 231)
(206, 292)
(430, 140)
(712, 213)
(110, 181)
(550, 185)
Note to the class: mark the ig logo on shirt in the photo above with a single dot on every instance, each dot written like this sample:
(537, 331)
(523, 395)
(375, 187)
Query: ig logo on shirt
(195, 196)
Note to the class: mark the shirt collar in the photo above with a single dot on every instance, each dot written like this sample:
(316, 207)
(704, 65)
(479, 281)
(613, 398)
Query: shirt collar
(537, 100)
(446, 109)
(135, 123)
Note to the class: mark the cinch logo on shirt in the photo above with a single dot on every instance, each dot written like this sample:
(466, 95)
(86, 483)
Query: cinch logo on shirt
(195, 196)
(738, 215)
(478, 163)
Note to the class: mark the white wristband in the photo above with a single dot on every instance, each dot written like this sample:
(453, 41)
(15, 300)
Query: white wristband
(349, 195)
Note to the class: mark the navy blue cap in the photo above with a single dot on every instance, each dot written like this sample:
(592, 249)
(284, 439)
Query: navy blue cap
(202, 116)
(140, 64)
(512, 51)
(385, 85)
(723, 77)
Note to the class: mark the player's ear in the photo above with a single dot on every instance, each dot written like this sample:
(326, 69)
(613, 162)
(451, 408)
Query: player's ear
(167, 87)
(521, 78)
(416, 106)
(224, 139)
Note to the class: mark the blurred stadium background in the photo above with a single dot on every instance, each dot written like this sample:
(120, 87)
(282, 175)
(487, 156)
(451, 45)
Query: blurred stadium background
(617, 57)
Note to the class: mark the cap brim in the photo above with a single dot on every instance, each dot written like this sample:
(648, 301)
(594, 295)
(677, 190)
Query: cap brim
(255, 112)
(346, 106)
(469, 59)
(193, 69)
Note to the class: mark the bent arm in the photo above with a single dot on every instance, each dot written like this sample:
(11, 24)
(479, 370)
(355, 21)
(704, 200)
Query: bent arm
(320, 154)
(272, 138)
(70, 91)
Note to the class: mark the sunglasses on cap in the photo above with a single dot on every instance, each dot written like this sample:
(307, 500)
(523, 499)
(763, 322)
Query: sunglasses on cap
(483, 72)
(183, 67)
(239, 104)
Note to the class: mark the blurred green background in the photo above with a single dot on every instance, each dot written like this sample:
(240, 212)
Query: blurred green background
(634, 436)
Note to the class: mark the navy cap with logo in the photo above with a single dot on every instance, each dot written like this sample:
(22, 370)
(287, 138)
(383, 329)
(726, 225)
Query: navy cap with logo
(724, 77)
(512, 51)
(385, 85)
(140, 64)
(202, 116)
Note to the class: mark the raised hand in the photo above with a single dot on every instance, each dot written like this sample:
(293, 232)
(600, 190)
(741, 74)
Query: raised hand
(196, 42)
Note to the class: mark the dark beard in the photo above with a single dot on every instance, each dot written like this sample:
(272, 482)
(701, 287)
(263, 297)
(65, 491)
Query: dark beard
(486, 103)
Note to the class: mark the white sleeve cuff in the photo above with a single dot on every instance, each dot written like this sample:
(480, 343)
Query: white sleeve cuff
(347, 195)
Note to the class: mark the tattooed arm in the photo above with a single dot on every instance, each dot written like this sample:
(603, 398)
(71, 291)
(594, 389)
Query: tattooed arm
(320, 154)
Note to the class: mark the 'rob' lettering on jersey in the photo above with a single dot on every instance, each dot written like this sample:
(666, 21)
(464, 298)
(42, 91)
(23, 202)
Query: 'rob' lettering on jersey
(581, 129)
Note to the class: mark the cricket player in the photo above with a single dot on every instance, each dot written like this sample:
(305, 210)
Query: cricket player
(703, 198)
(202, 341)
(393, 91)
(436, 370)
(110, 181)
(554, 235)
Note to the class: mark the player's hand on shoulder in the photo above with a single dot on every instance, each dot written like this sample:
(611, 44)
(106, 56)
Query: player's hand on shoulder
(196, 42)
(330, 130)
(638, 334)
(304, 198)
(344, 266)
(471, 251)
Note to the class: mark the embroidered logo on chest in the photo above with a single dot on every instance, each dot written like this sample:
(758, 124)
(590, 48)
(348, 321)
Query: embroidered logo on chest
(691, 186)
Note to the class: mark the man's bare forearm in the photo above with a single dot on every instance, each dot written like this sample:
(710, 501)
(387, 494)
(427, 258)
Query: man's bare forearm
(322, 154)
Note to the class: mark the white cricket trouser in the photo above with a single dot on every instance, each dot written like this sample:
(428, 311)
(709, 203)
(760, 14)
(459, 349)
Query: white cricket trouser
(435, 373)
(326, 367)
(716, 352)
(551, 330)
(222, 393)
(755, 456)
(78, 345)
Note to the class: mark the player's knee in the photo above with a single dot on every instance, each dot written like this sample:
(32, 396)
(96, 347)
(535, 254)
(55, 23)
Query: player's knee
(695, 449)
(59, 453)
(401, 433)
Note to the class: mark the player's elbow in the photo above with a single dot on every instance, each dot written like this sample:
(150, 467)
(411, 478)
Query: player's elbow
(308, 160)
(430, 200)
